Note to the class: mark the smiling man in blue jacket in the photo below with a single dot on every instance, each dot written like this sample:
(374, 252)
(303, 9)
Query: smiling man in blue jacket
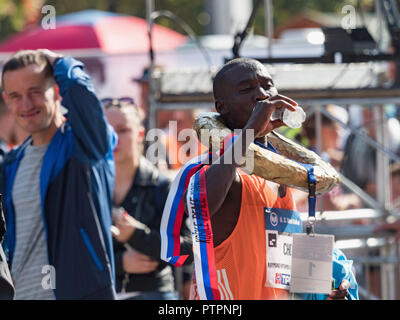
(58, 184)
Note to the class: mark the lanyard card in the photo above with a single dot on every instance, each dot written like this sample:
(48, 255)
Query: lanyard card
(311, 268)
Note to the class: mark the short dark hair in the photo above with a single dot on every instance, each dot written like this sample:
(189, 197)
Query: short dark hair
(220, 75)
(24, 58)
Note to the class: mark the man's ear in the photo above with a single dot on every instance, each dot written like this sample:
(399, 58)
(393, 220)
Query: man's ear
(221, 107)
(3, 94)
(141, 134)
(57, 92)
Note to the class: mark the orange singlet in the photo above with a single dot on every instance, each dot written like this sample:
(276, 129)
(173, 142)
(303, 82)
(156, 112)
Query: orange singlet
(241, 258)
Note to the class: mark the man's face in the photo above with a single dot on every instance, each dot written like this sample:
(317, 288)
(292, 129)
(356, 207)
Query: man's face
(130, 136)
(244, 86)
(32, 99)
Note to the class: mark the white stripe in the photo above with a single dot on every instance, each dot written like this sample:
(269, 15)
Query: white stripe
(168, 206)
(167, 212)
(224, 276)
(196, 246)
(222, 290)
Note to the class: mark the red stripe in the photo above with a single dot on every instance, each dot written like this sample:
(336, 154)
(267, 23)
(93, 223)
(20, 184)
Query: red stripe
(179, 215)
(180, 261)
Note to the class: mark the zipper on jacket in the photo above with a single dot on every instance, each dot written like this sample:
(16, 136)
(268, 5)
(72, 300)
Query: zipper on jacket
(98, 225)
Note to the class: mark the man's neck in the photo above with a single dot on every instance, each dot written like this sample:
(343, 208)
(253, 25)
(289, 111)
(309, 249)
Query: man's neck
(45, 136)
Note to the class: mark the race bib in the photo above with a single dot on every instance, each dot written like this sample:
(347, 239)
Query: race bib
(279, 225)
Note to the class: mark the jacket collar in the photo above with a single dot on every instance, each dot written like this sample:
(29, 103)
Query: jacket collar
(17, 152)
(146, 174)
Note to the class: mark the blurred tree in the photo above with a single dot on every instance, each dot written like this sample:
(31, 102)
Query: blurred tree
(186, 9)
(32, 12)
(19, 15)
(11, 17)
(284, 10)
(16, 15)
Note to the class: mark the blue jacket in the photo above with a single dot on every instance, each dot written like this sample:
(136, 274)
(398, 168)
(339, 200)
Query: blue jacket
(76, 186)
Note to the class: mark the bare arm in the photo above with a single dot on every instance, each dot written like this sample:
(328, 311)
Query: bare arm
(221, 175)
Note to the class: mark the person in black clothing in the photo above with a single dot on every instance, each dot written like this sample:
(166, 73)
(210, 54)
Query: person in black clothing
(6, 284)
(139, 196)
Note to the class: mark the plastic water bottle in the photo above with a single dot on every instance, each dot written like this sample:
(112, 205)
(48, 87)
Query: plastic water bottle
(292, 119)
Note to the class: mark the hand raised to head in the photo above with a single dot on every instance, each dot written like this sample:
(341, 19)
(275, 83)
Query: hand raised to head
(50, 55)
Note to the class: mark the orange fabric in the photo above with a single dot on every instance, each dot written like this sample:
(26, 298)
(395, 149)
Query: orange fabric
(241, 258)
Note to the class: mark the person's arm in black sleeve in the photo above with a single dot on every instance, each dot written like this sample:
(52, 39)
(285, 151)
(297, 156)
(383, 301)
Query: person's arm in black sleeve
(6, 284)
(118, 253)
(146, 240)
